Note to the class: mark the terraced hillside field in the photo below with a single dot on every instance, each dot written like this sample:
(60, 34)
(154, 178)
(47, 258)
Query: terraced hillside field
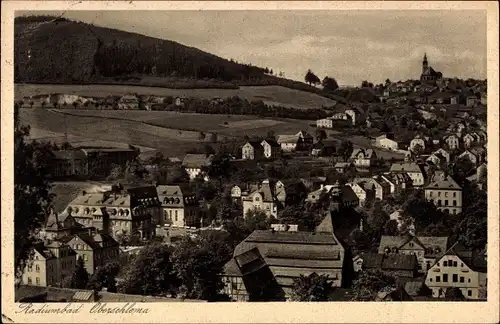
(170, 132)
(272, 95)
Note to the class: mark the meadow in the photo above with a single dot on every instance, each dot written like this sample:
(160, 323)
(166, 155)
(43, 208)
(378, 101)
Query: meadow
(271, 95)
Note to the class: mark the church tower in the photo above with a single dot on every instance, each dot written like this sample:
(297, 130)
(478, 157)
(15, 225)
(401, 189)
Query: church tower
(425, 64)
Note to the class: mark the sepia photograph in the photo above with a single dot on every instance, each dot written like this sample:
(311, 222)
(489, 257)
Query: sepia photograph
(238, 156)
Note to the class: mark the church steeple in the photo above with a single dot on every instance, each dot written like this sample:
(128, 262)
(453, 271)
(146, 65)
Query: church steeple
(425, 64)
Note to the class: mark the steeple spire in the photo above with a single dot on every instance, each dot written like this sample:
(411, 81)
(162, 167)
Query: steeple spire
(425, 64)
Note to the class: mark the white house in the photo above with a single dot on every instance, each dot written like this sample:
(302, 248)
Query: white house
(386, 142)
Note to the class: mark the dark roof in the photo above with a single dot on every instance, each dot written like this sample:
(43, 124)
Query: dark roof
(475, 261)
(389, 262)
(432, 245)
(69, 155)
(250, 261)
(272, 142)
(196, 160)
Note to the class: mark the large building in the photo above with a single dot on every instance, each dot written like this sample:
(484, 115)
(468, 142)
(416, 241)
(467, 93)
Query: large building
(429, 76)
(51, 263)
(119, 212)
(179, 205)
(261, 198)
(96, 249)
(288, 255)
(459, 268)
(413, 170)
(445, 193)
(69, 163)
(195, 163)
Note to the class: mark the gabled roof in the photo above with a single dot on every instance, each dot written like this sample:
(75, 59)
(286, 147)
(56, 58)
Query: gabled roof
(406, 167)
(288, 139)
(69, 155)
(446, 183)
(432, 245)
(196, 161)
(271, 142)
(475, 261)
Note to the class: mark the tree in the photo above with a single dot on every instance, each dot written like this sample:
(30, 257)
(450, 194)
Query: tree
(365, 84)
(377, 217)
(329, 84)
(320, 134)
(256, 219)
(80, 276)
(346, 149)
(201, 136)
(154, 268)
(417, 150)
(391, 228)
(369, 283)
(197, 262)
(311, 78)
(104, 276)
(313, 287)
(32, 196)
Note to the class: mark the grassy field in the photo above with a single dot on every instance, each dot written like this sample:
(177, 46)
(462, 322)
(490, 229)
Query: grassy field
(272, 95)
(172, 133)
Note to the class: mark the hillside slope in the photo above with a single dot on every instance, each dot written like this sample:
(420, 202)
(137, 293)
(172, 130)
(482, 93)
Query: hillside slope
(50, 50)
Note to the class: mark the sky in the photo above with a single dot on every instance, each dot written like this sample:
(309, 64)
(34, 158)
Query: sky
(350, 46)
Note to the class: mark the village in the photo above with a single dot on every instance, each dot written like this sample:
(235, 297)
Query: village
(386, 200)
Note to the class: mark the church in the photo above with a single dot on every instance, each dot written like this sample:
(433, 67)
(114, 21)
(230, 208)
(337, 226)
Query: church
(429, 76)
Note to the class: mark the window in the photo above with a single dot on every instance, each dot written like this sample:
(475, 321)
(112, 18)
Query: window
(445, 277)
(468, 280)
(455, 263)
(431, 194)
(439, 193)
(454, 202)
(257, 199)
(38, 281)
(30, 281)
(469, 293)
(439, 202)
(454, 277)
(445, 263)
(446, 194)
(37, 268)
(462, 265)
(411, 244)
(30, 268)
(85, 257)
(438, 279)
(454, 194)
(430, 279)
(446, 202)
(462, 279)
(234, 285)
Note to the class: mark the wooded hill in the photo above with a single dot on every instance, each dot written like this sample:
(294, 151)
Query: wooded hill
(57, 50)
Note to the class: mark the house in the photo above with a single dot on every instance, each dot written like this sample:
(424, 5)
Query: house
(288, 143)
(397, 181)
(252, 150)
(425, 248)
(180, 101)
(459, 268)
(247, 277)
(452, 141)
(386, 141)
(58, 226)
(262, 199)
(344, 167)
(50, 264)
(195, 163)
(440, 154)
(475, 159)
(128, 101)
(292, 254)
(325, 122)
(296, 142)
(313, 183)
(119, 212)
(446, 194)
(69, 163)
(96, 249)
(417, 141)
(472, 101)
(271, 148)
(400, 265)
(413, 170)
(344, 194)
(469, 140)
(180, 206)
(362, 192)
(324, 148)
(363, 158)
(380, 189)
